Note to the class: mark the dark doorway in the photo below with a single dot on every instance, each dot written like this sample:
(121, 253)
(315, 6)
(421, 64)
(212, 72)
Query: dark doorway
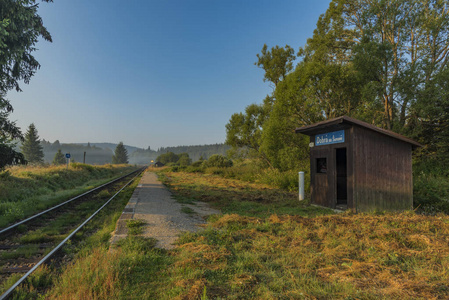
(342, 180)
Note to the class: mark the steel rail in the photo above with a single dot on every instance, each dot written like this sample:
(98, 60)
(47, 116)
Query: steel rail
(43, 260)
(64, 203)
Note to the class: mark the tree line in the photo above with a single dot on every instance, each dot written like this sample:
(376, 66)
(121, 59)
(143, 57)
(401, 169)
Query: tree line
(36, 151)
(383, 62)
(195, 152)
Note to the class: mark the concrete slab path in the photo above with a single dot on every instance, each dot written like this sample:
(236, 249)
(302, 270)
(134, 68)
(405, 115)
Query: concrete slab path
(152, 203)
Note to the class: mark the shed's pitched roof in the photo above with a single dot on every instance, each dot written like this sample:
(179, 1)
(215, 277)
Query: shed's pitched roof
(344, 122)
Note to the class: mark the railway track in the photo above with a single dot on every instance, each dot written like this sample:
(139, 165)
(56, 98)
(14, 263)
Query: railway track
(27, 244)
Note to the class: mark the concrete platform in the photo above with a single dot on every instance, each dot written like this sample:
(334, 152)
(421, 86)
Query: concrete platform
(152, 203)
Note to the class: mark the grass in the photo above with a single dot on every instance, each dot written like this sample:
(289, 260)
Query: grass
(254, 171)
(135, 227)
(25, 190)
(392, 256)
(235, 196)
(267, 245)
(187, 210)
(93, 238)
(24, 251)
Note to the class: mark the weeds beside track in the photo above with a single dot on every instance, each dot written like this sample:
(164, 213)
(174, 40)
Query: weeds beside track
(23, 251)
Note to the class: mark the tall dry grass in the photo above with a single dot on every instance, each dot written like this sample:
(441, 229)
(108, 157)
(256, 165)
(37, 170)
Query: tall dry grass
(95, 276)
(392, 256)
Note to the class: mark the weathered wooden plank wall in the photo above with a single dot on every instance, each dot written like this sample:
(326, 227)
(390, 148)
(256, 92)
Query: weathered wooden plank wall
(382, 172)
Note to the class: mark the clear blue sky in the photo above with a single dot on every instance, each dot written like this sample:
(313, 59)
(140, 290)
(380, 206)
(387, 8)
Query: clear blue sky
(154, 73)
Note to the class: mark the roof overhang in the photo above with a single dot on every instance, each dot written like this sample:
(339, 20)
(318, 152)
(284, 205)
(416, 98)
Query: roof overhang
(345, 122)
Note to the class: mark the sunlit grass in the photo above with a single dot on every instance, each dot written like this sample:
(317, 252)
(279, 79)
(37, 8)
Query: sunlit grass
(25, 190)
(135, 227)
(235, 196)
(340, 256)
(281, 250)
(84, 248)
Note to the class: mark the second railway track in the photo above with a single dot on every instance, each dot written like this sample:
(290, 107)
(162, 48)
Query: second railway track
(24, 244)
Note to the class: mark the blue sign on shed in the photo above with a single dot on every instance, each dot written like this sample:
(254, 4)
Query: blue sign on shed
(67, 155)
(330, 138)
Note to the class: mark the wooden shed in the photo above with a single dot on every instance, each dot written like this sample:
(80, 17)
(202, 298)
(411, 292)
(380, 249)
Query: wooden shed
(358, 166)
(158, 164)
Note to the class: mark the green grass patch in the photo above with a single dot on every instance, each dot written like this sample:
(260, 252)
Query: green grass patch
(104, 194)
(187, 210)
(26, 251)
(80, 247)
(135, 227)
(26, 190)
(184, 200)
(235, 196)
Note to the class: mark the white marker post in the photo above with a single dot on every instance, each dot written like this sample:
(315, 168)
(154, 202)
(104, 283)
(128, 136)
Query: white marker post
(67, 155)
(301, 186)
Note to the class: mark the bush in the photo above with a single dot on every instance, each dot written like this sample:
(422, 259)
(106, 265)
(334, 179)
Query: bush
(198, 164)
(195, 169)
(218, 161)
(431, 186)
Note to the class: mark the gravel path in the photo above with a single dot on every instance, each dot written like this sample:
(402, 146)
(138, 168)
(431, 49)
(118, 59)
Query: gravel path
(153, 203)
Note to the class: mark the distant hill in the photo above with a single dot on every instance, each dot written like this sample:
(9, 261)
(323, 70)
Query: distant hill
(94, 155)
(101, 153)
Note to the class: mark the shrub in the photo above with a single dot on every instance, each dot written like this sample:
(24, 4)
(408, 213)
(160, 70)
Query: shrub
(195, 169)
(197, 164)
(431, 186)
(218, 161)
(287, 180)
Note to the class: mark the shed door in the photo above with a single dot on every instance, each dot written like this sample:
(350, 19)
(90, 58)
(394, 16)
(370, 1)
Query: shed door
(342, 180)
(320, 168)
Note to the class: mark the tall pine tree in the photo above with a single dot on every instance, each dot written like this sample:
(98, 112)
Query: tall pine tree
(120, 155)
(31, 147)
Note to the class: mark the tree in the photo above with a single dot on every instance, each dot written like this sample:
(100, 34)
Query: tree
(31, 147)
(184, 159)
(8, 156)
(120, 155)
(384, 62)
(397, 48)
(168, 157)
(59, 158)
(276, 63)
(244, 131)
(20, 29)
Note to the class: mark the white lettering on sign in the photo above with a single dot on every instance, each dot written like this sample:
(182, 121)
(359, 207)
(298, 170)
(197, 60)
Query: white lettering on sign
(330, 138)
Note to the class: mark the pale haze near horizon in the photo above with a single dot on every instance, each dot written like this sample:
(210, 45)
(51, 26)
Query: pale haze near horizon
(154, 73)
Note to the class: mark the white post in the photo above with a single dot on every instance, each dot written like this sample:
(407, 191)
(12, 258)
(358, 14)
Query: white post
(301, 186)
